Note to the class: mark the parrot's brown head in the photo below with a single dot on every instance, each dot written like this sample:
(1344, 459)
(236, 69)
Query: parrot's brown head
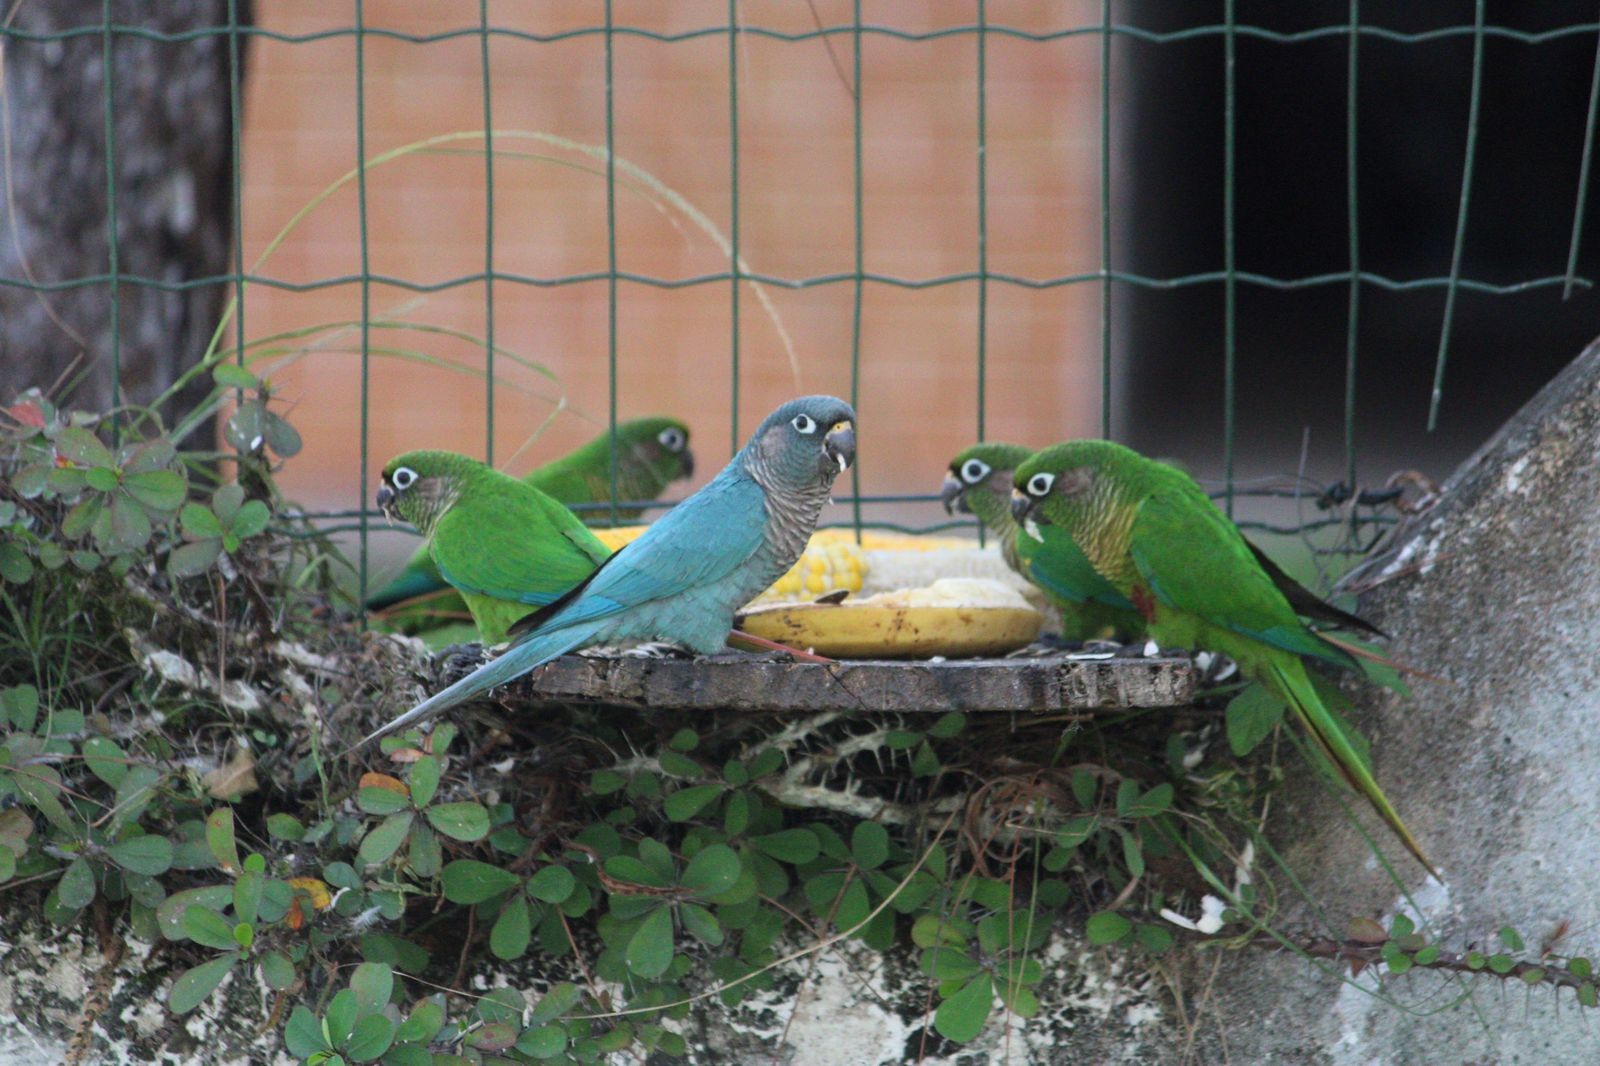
(979, 479)
(1073, 484)
(418, 487)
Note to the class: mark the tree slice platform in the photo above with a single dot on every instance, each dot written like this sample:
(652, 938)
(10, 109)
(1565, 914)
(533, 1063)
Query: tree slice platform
(1044, 685)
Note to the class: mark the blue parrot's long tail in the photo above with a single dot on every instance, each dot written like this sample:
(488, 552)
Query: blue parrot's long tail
(520, 659)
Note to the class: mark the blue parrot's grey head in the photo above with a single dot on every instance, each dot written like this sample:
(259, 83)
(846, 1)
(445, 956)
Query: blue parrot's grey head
(804, 444)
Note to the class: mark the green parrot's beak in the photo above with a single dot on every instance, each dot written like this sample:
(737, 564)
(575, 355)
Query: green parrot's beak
(953, 497)
(1021, 504)
(686, 461)
(840, 445)
(386, 497)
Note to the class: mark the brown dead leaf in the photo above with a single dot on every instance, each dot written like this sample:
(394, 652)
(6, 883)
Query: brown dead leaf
(234, 778)
(1365, 930)
(372, 779)
(307, 890)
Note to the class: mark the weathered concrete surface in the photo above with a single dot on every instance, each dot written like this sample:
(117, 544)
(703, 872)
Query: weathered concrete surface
(857, 1007)
(1497, 772)
(48, 976)
(849, 1005)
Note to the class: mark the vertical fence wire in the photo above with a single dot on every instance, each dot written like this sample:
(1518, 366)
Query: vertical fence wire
(859, 281)
(113, 261)
(983, 215)
(236, 190)
(1229, 280)
(1105, 219)
(1461, 217)
(1583, 176)
(488, 236)
(611, 257)
(366, 286)
(733, 218)
(1353, 223)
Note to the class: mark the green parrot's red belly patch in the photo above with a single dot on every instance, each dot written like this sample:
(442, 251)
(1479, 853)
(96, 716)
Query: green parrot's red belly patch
(1144, 601)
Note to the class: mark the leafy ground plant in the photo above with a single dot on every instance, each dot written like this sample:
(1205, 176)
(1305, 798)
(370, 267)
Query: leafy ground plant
(177, 666)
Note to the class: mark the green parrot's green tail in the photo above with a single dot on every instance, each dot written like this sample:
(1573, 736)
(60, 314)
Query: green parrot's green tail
(1289, 677)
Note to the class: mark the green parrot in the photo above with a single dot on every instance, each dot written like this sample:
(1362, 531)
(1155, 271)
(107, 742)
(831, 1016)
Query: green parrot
(979, 483)
(651, 453)
(508, 548)
(1155, 535)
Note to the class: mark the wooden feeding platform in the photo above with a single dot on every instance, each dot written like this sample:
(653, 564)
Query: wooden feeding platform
(1046, 684)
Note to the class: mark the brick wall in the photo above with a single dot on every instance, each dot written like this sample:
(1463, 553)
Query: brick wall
(426, 223)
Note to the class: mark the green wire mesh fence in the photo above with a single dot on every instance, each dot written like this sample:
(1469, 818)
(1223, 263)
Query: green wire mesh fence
(847, 37)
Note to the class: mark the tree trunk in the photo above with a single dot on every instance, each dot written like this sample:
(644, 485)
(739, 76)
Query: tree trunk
(173, 198)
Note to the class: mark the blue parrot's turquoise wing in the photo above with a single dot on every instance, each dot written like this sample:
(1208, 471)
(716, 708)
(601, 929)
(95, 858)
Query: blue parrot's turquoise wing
(699, 542)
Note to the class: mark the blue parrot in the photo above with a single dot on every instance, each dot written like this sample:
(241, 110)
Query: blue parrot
(684, 578)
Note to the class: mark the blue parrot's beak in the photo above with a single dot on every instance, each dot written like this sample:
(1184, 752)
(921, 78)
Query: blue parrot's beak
(952, 496)
(840, 446)
(1021, 504)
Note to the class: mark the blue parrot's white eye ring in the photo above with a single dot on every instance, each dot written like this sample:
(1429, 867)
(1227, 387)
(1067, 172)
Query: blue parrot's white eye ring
(672, 439)
(974, 471)
(403, 478)
(1039, 485)
(804, 424)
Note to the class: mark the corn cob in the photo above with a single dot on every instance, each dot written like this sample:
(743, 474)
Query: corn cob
(881, 562)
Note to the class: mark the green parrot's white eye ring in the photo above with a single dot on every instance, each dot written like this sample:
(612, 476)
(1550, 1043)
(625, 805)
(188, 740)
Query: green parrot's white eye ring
(1039, 485)
(403, 478)
(974, 471)
(672, 439)
(804, 423)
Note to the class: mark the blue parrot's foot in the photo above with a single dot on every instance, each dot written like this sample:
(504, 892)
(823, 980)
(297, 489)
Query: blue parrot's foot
(739, 637)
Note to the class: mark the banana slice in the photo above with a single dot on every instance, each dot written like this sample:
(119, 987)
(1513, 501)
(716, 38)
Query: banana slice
(955, 617)
(931, 596)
